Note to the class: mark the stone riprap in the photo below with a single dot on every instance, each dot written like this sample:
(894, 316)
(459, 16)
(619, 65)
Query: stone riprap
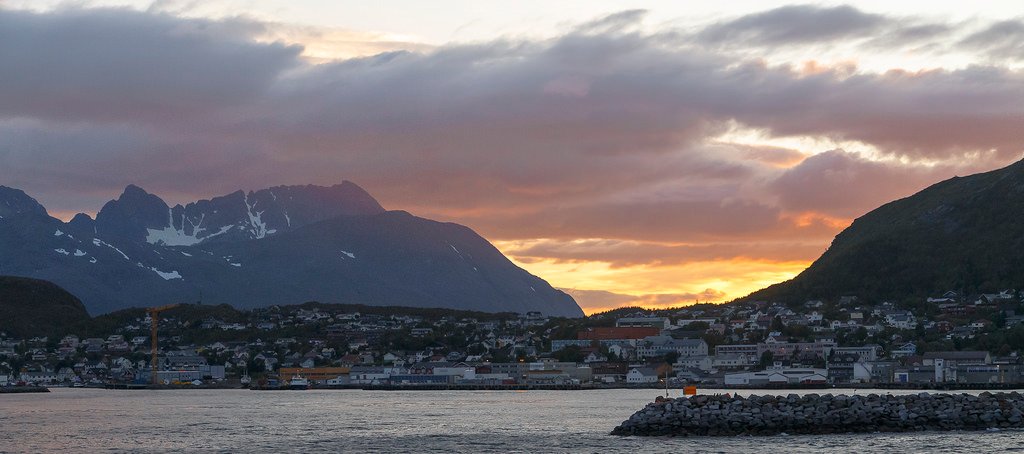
(723, 415)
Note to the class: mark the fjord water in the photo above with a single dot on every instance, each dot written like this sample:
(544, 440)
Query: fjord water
(91, 420)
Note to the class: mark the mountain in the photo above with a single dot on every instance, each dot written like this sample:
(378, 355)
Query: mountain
(140, 216)
(282, 245)
(31, 307)
(963, 234)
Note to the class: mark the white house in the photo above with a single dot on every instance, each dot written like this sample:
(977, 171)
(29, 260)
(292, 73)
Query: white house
(734, 360)
(703, 362)
(901, 320)
(638, 375)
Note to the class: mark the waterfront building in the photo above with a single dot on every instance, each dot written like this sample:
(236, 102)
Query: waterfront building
(641, 375)
(314, 374)
(777, 375)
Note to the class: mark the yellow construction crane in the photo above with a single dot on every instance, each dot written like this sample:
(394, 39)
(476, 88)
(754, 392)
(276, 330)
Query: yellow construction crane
(153, 311)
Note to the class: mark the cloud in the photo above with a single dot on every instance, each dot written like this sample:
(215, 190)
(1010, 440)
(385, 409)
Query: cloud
(624, 253)
(597, 300)
(97, 65)
(798, 24)
(1001, 40)
(843, 184)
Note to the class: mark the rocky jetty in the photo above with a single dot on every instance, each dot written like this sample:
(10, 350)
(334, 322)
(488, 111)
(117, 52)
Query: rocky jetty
(724, 415)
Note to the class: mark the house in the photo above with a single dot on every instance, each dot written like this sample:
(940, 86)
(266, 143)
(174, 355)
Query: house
(961, 332)
(847, 368)
(820, 349)
(734, 360)
(640, 375)
(622, 351)
(682, 323)
(702, 362)
(865, 353)
(735, 349)
(907, 349)
(421, 332)
(901, 320)
(661, 345)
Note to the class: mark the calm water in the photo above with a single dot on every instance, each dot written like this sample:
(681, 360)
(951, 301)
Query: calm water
(89, 420)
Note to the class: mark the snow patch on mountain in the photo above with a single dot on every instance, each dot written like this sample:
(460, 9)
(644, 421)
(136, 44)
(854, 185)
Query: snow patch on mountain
(349, 254)
(58, 233)
(61, 251)
(259, 227)
(98, 242)
(79, 253)
(171, 236)
(167, 276)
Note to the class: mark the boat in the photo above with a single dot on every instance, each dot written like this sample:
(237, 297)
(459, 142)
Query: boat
(298, 382)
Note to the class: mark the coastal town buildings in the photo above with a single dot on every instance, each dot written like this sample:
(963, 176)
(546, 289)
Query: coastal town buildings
(847, 342)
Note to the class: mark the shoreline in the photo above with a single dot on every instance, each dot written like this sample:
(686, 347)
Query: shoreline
(854, 388)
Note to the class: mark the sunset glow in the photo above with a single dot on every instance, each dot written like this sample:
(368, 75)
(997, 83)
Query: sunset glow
(653, 156)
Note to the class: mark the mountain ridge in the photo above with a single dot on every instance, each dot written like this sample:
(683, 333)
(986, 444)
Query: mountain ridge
(281, 245)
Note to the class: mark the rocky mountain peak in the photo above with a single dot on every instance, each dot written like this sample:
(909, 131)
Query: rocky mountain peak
(15, 202)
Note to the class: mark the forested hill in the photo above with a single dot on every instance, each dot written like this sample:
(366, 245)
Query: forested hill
(31, 307)
(964, 234)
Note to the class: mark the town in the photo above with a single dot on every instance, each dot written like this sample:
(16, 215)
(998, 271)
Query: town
(944, 340)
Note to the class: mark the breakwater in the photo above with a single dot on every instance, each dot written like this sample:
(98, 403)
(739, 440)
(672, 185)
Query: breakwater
(724, 415)
(22, 389)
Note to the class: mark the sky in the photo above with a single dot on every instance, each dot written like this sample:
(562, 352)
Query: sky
(631, 153)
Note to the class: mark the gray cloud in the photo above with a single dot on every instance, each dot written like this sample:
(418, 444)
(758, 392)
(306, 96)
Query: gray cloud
(1001, 40)
(799, 24)
(120, 65)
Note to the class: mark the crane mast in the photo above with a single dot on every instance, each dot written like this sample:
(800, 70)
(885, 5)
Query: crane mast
(153, 311)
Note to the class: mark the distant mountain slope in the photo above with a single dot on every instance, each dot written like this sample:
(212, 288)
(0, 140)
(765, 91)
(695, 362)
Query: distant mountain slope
(140, 216)
(965, 233)
(283, 245)
(31, 307)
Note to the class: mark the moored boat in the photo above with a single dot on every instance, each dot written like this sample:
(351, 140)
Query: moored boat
(298, 382)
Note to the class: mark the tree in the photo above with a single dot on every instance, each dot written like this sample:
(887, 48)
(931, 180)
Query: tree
(671, 357)
(698, 326)
(767, 359)
(570, 353)
(1000, 319)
